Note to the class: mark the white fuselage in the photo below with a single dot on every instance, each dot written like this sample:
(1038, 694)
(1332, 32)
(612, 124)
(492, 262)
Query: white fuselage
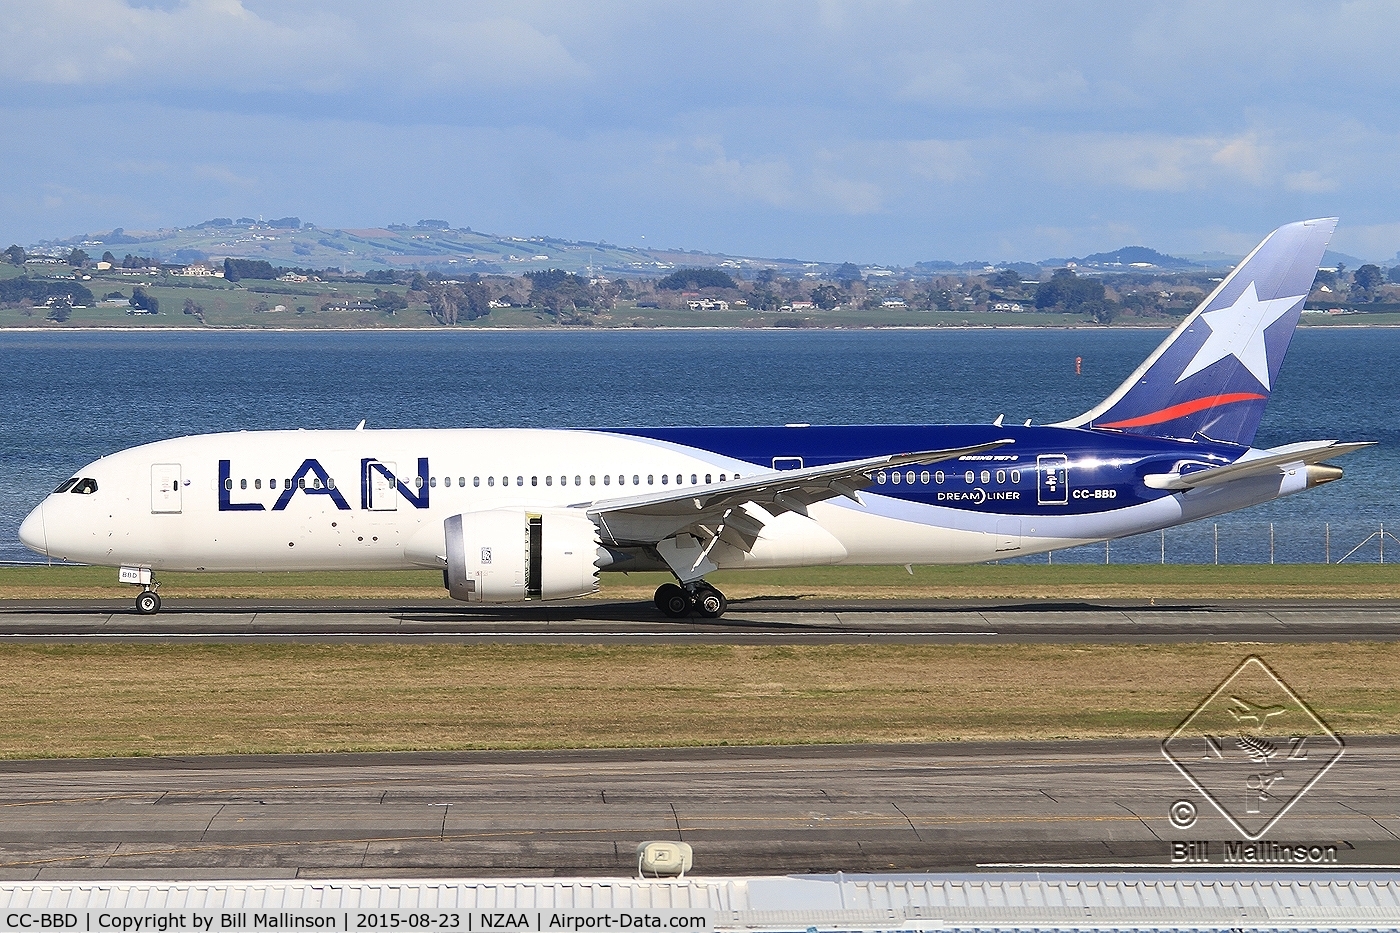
(377, 500)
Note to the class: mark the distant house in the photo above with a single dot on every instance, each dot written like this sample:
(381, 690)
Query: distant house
(293, 277)
(199, 270)
(893, 303)
(1007, 306)
(803, 306)
(708, 304)
(345, 305)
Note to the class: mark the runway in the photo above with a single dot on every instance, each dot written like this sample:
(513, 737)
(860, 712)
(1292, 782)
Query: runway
(760, 621)
(1010, 806)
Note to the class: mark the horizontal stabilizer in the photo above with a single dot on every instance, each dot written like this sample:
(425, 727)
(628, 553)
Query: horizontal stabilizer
(1266, 462)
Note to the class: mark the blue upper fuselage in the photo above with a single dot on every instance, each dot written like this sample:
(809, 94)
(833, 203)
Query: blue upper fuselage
(1072, 470)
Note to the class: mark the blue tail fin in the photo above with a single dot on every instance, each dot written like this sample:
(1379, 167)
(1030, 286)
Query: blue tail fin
(1212, 377)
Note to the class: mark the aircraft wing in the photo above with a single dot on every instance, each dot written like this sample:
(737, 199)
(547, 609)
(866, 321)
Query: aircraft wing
(716, 504)
(1268, 461)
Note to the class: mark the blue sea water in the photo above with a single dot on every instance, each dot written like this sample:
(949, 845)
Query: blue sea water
(71, 397)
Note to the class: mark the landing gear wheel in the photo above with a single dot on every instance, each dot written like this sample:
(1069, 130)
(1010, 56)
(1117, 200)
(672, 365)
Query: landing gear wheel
(671, 599)
(710, 602)
(148, 603)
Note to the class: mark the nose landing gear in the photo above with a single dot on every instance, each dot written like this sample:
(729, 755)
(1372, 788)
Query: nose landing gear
(699, 598)
(148, 603)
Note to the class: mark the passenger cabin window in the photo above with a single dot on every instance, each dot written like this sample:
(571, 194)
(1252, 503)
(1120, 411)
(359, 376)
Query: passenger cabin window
(881, 478)
(923, 477)
(520, 481)
(578, 480)
(65, 485)
(693, 480)
(970, 476)
(636, 480)
(894, 477)
(243, 484)
(939, 477)
(593, 480)
(986, 476)
(476, 481)
(651, 478)
(1001, 476)
(432, 482)
(607, 478)
(1015, 476)
(490, 480)
(85, 487)
(257, 484)
(548, 480)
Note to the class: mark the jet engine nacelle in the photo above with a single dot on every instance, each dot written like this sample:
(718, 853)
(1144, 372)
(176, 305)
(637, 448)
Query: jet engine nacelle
(506, 555)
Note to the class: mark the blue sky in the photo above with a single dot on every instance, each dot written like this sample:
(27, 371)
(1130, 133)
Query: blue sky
(873, 132)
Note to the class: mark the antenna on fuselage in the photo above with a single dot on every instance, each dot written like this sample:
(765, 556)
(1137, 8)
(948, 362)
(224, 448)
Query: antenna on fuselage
(999, 420)
(361, 425)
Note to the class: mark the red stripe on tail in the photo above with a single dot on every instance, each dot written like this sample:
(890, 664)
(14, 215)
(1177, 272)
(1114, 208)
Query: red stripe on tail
(1184, 409)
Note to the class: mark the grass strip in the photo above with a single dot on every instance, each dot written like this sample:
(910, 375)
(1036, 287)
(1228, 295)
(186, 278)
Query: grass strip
(125, 700)
(1030, 581)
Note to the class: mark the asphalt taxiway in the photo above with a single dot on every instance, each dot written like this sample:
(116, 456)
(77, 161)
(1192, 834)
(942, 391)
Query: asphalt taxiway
(765, 620)
(1022, 806)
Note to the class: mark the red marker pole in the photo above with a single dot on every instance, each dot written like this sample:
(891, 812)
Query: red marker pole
(1078, 361)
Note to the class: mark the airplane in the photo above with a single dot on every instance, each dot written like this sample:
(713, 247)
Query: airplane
(519, 514)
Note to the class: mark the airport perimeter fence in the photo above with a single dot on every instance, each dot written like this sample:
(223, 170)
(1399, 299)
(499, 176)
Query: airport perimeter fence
(1235, 542)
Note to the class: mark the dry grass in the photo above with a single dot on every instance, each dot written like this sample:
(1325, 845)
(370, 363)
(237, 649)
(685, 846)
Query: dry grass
(105, 700)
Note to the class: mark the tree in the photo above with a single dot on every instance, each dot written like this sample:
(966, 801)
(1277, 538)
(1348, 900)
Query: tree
(390, 302)
(847, 273)
(694, 279)
(141, 300)
(1006, 278)
(826, 297)
(78, 258)
(1068, 291)
(1393, 276)
(1367, 279)
(108, 257)
(190, 307)
(15, 255)
(235, 269)
(60, 312)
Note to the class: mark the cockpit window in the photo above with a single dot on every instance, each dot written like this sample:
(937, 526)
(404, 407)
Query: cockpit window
(85, 487)
(65, 485)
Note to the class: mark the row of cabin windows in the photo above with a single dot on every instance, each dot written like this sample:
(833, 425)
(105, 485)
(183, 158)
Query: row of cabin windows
(302, 483)
(896, 477)
(476, 481)
(592, 480)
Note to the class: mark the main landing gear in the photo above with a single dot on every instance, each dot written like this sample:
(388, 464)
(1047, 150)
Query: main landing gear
(699, 597)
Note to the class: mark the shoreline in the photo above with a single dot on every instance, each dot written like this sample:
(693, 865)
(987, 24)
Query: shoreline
(620, 330)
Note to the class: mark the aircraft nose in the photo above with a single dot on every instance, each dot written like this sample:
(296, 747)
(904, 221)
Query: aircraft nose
(32, 533)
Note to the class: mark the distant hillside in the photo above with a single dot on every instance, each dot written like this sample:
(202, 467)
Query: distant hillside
(429, 244)
(1135, 257)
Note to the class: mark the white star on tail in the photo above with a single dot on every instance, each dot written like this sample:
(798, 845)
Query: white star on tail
(1238, 331)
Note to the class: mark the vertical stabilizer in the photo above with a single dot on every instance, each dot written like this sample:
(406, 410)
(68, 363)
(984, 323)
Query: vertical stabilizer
(1212, 377)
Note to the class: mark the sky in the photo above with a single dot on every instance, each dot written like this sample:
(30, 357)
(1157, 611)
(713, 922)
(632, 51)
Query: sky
(886, 132)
